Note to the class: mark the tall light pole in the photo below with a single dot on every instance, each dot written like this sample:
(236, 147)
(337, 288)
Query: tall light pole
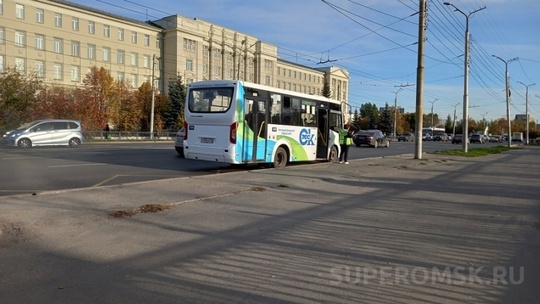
(507, 85)
(527, 108)
(466, 76)
(395, 112)
(454, 130)
(432, 103)
(153, 98)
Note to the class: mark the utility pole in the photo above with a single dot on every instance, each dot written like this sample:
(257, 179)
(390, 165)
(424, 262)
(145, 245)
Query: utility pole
(527, 108)
(507, 85)
(465, 125)
(153, 98)
(395, 112)
(422, 19)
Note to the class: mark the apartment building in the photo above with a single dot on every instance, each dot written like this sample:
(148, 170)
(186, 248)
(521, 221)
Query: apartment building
(60, 41)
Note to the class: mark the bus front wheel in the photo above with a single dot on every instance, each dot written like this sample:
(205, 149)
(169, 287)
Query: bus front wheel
(280, 158)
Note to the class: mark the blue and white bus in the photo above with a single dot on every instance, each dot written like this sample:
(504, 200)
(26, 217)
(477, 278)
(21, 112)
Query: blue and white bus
(237, 122)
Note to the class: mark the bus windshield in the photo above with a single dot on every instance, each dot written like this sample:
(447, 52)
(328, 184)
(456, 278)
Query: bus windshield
(210, 100)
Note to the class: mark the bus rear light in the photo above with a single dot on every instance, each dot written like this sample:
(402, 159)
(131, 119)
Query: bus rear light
(185, 130)
(232, 132)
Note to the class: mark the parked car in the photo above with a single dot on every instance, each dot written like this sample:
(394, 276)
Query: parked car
(495, 139)
(179, 142)
(477, 138)
(47, 132)
(373, 138)
(406, 137)
(427, 137)
(458, 139)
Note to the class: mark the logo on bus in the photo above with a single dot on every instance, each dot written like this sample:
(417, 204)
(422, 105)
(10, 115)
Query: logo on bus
(306, 138)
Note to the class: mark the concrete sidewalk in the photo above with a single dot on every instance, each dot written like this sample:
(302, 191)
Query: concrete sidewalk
(389, 230)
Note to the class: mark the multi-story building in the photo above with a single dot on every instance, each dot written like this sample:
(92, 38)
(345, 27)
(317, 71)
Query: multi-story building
(60, 41)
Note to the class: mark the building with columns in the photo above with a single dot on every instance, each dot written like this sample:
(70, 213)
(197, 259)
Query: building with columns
(60, 41)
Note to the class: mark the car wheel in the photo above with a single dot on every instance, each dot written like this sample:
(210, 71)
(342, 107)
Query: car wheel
(280, 158)
(74, 142)
(333, 157)
(387, 144)
(180, 151)
(24, 143)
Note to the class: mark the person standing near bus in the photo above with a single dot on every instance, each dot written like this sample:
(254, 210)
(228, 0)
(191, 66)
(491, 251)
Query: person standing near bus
(345, 140)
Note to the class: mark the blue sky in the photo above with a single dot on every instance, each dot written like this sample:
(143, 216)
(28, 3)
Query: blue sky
(377, 42)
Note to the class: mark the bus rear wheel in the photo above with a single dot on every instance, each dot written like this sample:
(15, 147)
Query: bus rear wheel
(280, 158)
(333, 155)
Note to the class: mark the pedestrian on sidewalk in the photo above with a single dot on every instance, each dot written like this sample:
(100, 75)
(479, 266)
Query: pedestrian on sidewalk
(345, 140)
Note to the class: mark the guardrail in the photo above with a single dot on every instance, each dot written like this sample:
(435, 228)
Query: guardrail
(128, 136)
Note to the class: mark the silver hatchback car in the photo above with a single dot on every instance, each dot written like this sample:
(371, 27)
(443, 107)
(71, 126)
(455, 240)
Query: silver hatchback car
(48, 132)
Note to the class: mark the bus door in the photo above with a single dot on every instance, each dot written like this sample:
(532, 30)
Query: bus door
(254, 139)
(322, 133)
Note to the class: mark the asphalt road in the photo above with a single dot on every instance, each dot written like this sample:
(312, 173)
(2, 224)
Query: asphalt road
(40, 169)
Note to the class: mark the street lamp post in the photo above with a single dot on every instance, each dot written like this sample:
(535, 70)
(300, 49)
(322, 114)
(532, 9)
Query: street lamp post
(466, 76)
(527, 109)
(507, 93)
(454, 127)
(432, 103)
(395, 112)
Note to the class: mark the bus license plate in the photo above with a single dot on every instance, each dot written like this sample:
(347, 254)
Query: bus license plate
(207, 140)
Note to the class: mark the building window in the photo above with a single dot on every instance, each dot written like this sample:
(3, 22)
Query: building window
(134, 37)
(189, 65)
(121, 34)
(1, 13)
(40, 68)
(1, 57)
(75, 73)
(120, 57)
(57, 71)
(106, 54)
(58, 45)
(205, 68)
(75, 24)
(2, 34)
(120, 76)
(146, 61)
(20, 38)
(133, 80)
(19, 11)
(40, 42)
(134, 60)
(58, 20)
(267, 80)
(190, 45)
(40, 15)
(75, 48)
(106, 31)
(20, 65)
(146, 40)
(91, 27)
(91, 51)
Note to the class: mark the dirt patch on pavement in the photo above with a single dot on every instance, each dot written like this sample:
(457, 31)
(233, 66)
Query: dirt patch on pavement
(150, 208)
(11, 233)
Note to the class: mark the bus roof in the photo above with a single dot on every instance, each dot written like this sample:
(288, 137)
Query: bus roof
(218, 83)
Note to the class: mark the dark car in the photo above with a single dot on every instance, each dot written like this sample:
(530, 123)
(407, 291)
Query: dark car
(458, 139)
(406, 137)
(441, 137)
(373, 138)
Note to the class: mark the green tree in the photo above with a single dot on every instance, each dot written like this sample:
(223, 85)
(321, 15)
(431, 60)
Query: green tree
(326, 92)
(18, 96)
(174, 112)
(370, 114)
(386, 120)
(449, 124)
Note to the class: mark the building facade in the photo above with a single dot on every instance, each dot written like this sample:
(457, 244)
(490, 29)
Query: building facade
(61, 41)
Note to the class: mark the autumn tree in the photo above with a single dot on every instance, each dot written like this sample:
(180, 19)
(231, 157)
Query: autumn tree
(18, 96)
(99, 89)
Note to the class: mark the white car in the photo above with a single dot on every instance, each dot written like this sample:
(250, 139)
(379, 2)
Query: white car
(179, 142)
